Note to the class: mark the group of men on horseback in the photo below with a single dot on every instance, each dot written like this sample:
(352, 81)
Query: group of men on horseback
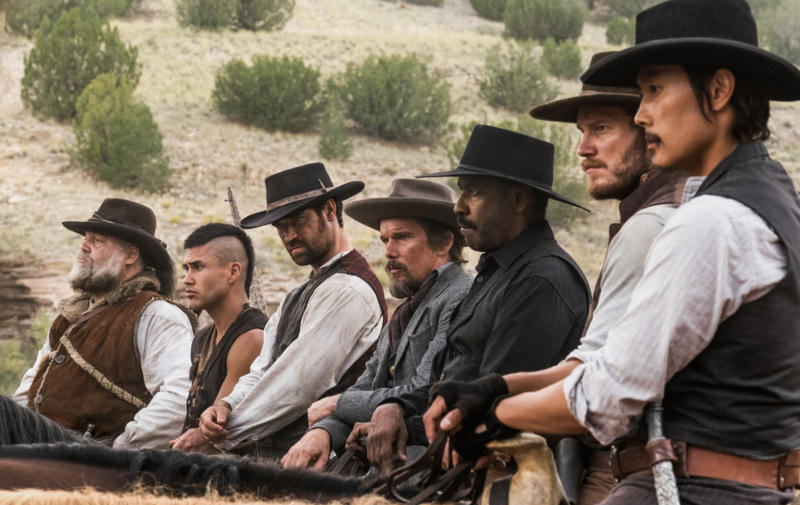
(695, 306)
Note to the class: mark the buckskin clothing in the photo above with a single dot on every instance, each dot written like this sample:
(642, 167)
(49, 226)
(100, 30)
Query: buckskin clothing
(147, 351)
(718, 299)
(525, 311)
(210, 362)
(341, 322)
(390, 373)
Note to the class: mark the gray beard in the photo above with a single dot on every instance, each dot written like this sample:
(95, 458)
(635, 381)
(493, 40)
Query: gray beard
(95, 280)
(401, 289)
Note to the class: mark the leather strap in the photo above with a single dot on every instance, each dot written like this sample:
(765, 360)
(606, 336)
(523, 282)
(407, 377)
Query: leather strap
(691, 461)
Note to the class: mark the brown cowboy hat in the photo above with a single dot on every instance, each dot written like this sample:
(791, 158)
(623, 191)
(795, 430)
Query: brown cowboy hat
(566, 109)
(298, 188)
(407, 198)
(134, 223)
(718, 33)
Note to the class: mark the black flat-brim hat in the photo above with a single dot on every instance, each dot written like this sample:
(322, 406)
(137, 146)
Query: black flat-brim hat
(296, 189)
(413, 198)
(129, 221)
(717, 33)
(566, 109)
(495, 152)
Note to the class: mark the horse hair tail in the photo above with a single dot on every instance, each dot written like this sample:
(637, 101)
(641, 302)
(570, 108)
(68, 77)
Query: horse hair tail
(20, 425)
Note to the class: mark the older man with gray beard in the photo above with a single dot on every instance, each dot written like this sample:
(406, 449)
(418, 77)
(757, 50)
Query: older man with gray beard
(116, 362)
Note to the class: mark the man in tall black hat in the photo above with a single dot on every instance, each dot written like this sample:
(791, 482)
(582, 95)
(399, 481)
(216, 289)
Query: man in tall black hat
(712, 328)
(116, 363)
(528, 304)
(319, 340)
(423, 250)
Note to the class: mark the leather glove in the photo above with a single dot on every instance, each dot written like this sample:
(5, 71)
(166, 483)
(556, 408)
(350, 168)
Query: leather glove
(471, 445)
(472, 398)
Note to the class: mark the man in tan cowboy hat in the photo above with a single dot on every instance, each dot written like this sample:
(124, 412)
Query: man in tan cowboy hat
(712, 330)
(116, 363)
(527, 306)
(324, 331)
(422, 246)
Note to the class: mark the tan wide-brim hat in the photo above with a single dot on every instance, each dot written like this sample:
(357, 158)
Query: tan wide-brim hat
(566, 109)
(415, 198)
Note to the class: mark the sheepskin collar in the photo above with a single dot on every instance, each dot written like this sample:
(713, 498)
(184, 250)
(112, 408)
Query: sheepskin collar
(74, 307)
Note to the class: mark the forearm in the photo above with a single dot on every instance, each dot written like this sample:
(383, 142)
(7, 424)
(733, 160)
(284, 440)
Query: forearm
(544, 412)
(524, 382)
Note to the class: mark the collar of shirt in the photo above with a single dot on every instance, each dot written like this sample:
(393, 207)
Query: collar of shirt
(690, 188)
(327, 264)
(504, 256)
(442, 268)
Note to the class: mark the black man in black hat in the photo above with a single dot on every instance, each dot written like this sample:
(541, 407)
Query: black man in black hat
(527, 306)
(116, 363)
(713, 329)
(318, 341)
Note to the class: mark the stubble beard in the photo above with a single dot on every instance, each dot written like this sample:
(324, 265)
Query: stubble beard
(401, 288)
(96, 279)
(635, 163)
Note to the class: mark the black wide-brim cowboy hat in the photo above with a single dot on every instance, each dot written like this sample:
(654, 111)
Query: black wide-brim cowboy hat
(495, 152)
(708, 33)
(412, 198)
(131, 222)
(296, 189)
(566, 109)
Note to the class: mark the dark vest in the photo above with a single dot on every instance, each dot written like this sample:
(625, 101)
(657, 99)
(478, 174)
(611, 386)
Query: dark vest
(207, 382)
(294, 306)
(741, 394)
(70, 396)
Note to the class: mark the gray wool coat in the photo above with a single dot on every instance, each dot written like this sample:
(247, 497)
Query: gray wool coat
(424, 337)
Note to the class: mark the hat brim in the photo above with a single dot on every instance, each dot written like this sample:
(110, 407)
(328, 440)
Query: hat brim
(781, 77)
(371, 211)
(154, 250)
(469, 170)
(566, 109)
(265, 217)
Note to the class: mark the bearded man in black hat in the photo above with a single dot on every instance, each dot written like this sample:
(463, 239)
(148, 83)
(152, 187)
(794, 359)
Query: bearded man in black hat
(324, 331)
(527, 306)
(116, 363)
(712, 327)
(423, 247)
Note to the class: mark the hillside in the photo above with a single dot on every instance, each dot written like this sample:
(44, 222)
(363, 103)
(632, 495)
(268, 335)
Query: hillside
(208, 153)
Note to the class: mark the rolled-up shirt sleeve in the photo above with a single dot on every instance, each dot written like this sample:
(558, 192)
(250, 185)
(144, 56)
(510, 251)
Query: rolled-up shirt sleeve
(163, 337)
(714, 255)
(341, 322)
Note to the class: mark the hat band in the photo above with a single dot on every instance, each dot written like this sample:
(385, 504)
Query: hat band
(97, 217)
(296, 198)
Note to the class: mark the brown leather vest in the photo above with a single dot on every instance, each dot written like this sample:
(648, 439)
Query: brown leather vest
(65, 393)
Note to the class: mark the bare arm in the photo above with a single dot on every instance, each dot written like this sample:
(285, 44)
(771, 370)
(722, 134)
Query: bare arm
(523, 382)
(241, 355)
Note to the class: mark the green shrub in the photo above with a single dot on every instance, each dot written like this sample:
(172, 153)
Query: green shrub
(205, 14)
(396, 98)
(514, 78)
(778, 29)
(274, 94)
(562, 59)
(67, 58)
(335, 143)
(117, 139)
(25, 16)
(629, 8)
(16, 356)
(542, 19)
(434, 3)
(489, 9)
(621, 31)
(263, 14)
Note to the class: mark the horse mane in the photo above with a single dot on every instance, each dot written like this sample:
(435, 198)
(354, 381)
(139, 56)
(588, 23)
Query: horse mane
(19, 425)
(179, 473)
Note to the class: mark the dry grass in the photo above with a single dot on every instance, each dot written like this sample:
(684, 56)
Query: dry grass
(209, 153)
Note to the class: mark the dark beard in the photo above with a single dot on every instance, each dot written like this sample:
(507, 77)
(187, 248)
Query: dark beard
(400, 288)
(634, 164)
